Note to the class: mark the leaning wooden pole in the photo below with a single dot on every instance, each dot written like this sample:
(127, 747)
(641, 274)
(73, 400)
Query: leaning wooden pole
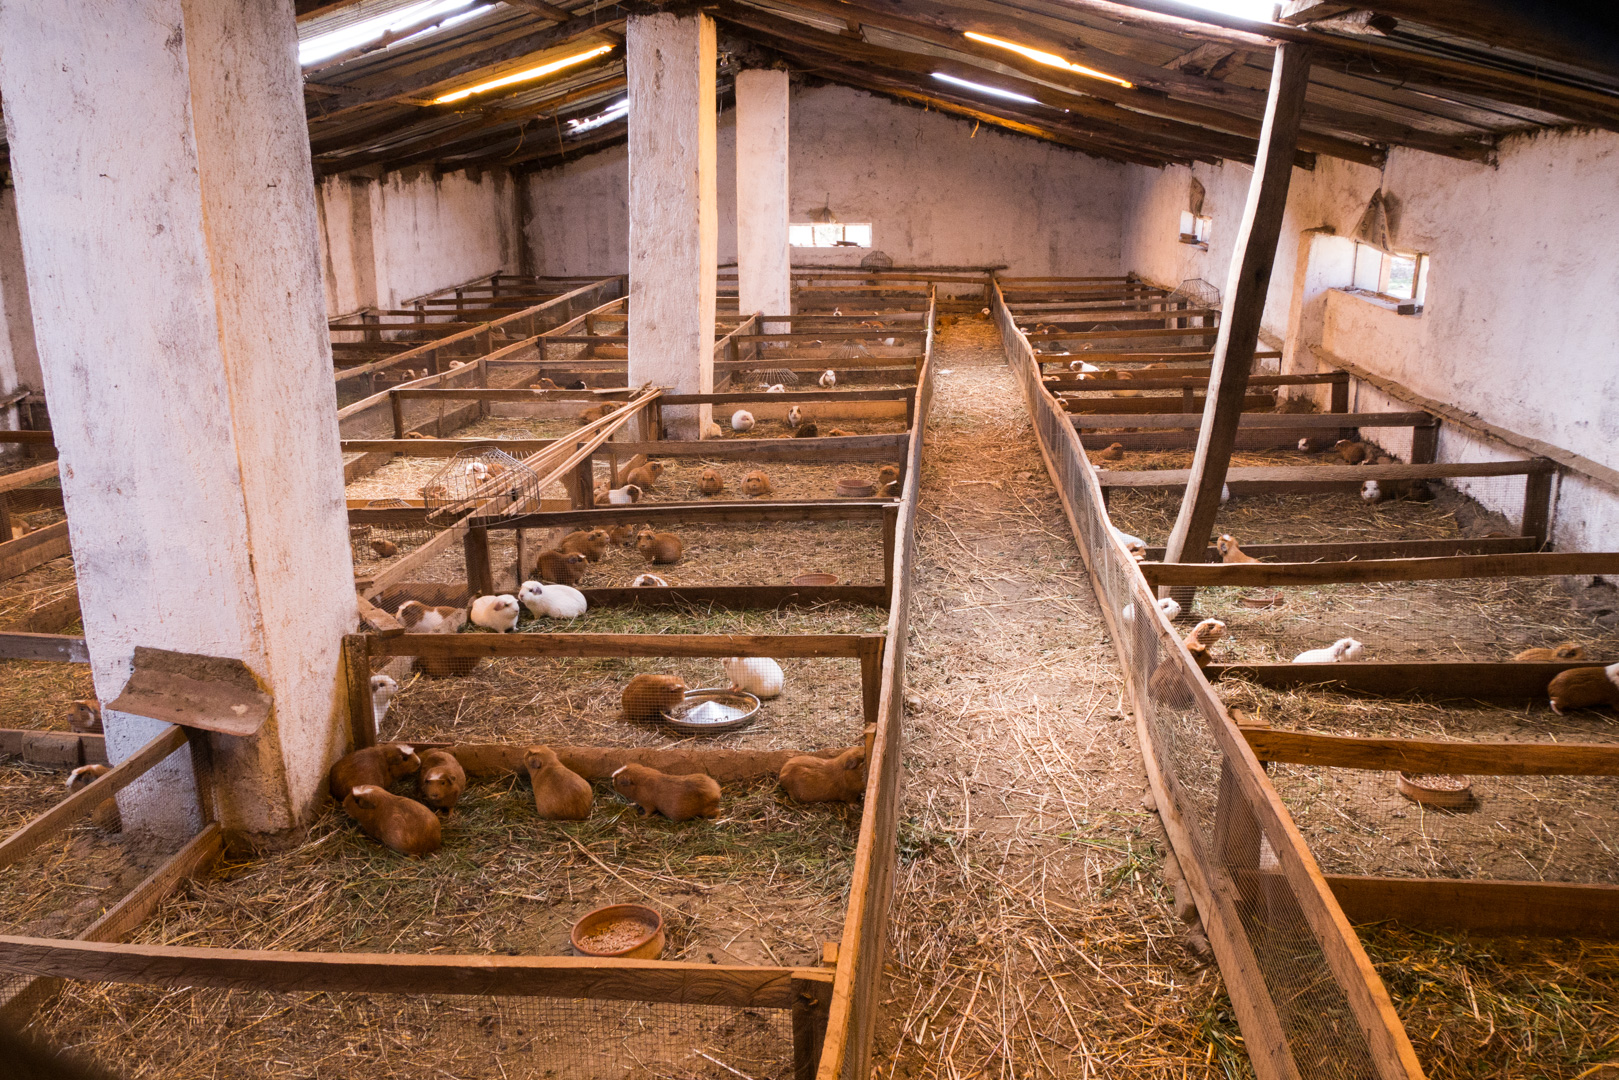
(1246, 286)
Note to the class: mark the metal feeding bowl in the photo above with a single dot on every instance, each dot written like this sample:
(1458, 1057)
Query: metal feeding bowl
(713, 711)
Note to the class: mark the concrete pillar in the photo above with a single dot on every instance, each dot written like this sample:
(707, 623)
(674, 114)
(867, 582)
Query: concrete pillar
(763, 259)
(19, 358)
(674, 207)
(176, 289)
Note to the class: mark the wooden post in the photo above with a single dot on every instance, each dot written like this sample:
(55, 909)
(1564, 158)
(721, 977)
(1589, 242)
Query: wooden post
(890, 532)
(522, 557)
(584, 479)
(1537, 506)
(480, 574)
(357, 665)
(1425, 443)
(811, 1001)
(399, 413)
(1245, 303)
(871, 678)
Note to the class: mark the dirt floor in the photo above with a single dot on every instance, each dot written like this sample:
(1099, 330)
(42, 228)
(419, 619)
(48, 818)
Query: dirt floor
(1030, 934)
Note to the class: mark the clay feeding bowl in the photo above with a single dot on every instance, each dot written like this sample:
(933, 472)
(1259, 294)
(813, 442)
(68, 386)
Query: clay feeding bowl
(713, 711)
(816, 579)
(629, 931)
(852, 487)
(1440, 792)
(1262, 600)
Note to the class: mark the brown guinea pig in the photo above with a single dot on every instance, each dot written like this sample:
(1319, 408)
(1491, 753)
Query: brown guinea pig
(807, 431)
(657, 547)
(1114, 452)
(386, 549)
(1584, 688)
(756, 483)
(623, 535)
(85, 717)
(561, 567)
(808, 778)
(394, 821)
(593, 414)
(1353, 453)
(592, 545)
(646, 477)
(622, 476)
(1230, 552)
(441, 779)
(712, 483)
(560, 794)
(648, 697)
(1568, 650)
(678, 798)
(379, 765)
(888, 480)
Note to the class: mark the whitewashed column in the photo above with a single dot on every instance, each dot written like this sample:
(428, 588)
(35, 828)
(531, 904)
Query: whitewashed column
(764, 264)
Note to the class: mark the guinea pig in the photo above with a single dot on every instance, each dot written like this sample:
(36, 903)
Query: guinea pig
(381, 765)
(622, 476)
(657, 547)
(678, 798)
(1230, 552)
(498, 613)
(591, 544)
(623, 535)
(1342, 649)
(394, 821)
(644, 581)
(1371, 491)
(421, 619)
(628, 495)
(742, 420)
(888, 480)
(441, 779)
(840, 433)
(648, 697)
(1584, 688)
(84, 716)
(807, 431)
(1131, 543)
(591, 415)
(385, 549)
(1167, 605)
(105, 816)
(560, 794)
(561, 567)
(758, 675)
(756, 483)
(1353, 453)
(552, 601)
(828, 379)
(646, 477)
(712, 483)
(808, 778)
(1313, 446)
(1113, 452)
(1568, 650)
(383, 689)
(776, 388)
(1205, 633)
(795, 416)
(712, 430)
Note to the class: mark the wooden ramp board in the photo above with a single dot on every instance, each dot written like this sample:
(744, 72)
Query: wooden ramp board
(1507, 682)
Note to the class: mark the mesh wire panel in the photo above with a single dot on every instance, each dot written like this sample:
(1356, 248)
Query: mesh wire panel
(1322, 1033)
(143, 1032)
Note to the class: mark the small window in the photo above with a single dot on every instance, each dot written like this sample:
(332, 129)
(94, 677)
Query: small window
(829, 234)
(1195, 228)
(1392, 275)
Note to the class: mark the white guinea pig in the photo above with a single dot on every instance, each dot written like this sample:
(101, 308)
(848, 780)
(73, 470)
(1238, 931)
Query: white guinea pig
(649, 581)
(1167, 605)
(742, 420)
(498, 613)
(776, 388)
(758, 675)
(828, 379)
(795, 416)
(1131, 543)
(383, 690)
(552, 601)
(1342, 649)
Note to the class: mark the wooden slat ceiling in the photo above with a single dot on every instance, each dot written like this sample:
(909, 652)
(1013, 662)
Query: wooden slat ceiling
(1450, 77)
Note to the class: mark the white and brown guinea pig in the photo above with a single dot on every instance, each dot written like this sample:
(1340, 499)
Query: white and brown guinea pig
(421, 619)
(649, 581)
(1205, 633)
(1584, 688)
(498, 613)
(560, 794)
(888, 480)
(659, 547)
(758, 675)
(84, 716)
(383, 689)
(808, 778)
(795, 416)
(628, 495)
(678, 798)
(1342, 649)
(105, 816)
(648, 697)
(756, 483)
(380, 765)
(394, 821)
(441, 779)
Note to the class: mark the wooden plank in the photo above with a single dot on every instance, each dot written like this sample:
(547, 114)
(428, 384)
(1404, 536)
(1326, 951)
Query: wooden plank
(28, 477)
(1167, 380)
(1312, 421)
(1372, 549)
(405, 566)
(36, 549)
(1253, 403)
(694, 645)
(1434, 755)
(737, 597)
(56, 749)
(1245, 293)
(1507, 908)
(1494, 681)
(788, 397)
(1444, 568)
(1354, 474)
(86, 799)
(708, 513)
(396, 973)
(65, 647)
(357, 684)
(839, 448)
(1259, 439)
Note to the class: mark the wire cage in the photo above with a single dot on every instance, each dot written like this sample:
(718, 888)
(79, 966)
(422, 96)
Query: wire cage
(483, 481)
(1196, 292)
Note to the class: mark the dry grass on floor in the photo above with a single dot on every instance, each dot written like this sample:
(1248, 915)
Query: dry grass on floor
(1030, 934)
(1502, 1008)
(36, 695)
(25, 594)
(789, 479)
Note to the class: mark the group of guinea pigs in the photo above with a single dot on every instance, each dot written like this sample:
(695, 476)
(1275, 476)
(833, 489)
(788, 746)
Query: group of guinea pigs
(410, 826)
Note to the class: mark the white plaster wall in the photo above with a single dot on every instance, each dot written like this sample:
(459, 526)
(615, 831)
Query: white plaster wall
(935, 193)
(385, 241)
(1520, 326)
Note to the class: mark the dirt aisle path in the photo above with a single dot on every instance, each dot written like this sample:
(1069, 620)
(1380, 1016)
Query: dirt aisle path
(1030, 935)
